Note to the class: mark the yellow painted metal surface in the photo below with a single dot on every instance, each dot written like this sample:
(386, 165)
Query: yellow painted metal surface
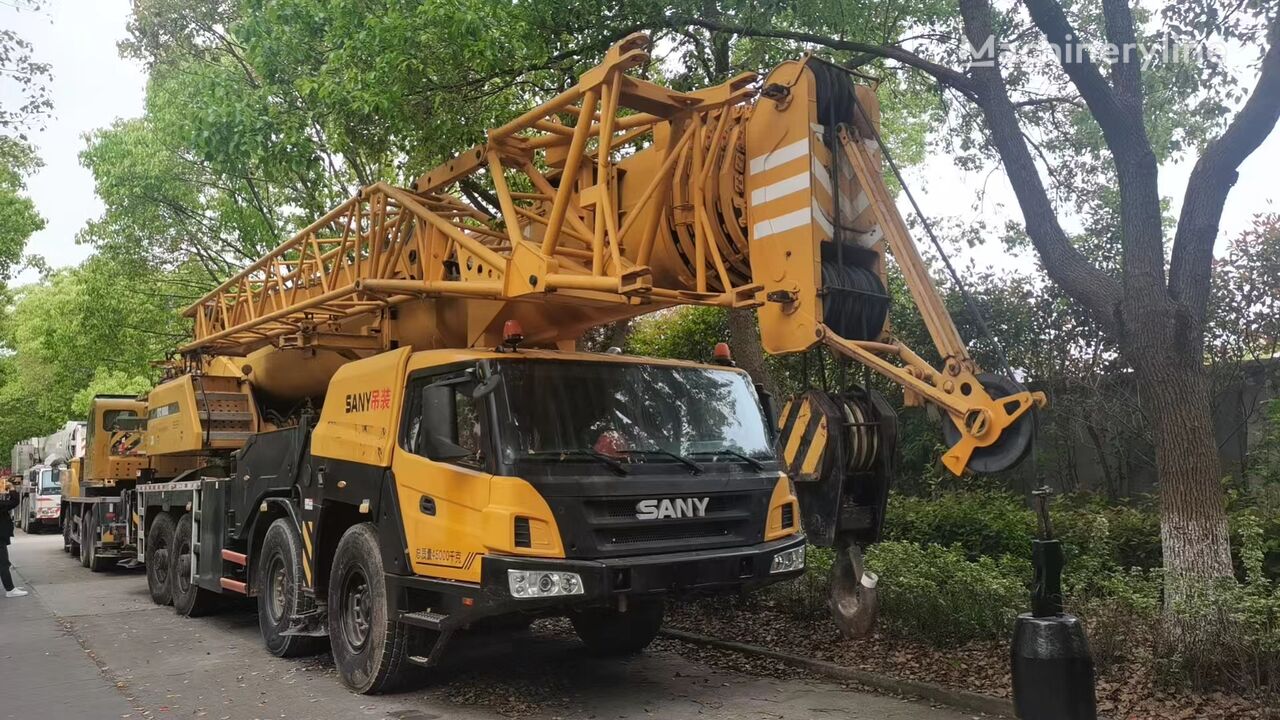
(361, 414)
(783, 495)
(112, 454)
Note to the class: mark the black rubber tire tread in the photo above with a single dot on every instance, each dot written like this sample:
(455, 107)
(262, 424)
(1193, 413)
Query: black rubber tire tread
(196, 601)
(86, 548)
(92, 561)
(67, 545)
(605, 631)
(382, 666)
(161, 532)
(282, 539)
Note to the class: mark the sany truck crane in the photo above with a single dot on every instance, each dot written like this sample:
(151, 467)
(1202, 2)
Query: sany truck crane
(397, 440)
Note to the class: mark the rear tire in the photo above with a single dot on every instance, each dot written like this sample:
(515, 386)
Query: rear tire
(158, 559)
(279, 581)
(189, 598)
(605, 631)
(369, 647)
(86, 548)
(96, 564)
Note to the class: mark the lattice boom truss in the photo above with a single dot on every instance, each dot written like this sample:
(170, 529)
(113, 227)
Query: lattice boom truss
(556, 231)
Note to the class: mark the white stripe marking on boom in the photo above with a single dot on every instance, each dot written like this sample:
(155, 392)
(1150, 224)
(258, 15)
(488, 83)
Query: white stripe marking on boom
(782, 223)
(782, 188)
(782, 155)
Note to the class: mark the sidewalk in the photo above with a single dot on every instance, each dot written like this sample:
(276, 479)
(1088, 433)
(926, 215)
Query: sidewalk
(44, 673)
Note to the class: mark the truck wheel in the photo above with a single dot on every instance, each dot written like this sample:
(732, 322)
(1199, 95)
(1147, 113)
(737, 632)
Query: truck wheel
(159, 549)
(95, 563)
(89, 538)
(605, 631)
(66, 531)
(369, 648)
(189, 598)
(279, 581)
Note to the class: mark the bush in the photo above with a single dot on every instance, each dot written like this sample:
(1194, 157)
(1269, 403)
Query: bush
(982, 523)
(937, 594)
(806, 596)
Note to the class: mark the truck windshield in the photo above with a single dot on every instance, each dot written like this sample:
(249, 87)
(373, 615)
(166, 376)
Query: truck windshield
(643, 413)
(49, 483)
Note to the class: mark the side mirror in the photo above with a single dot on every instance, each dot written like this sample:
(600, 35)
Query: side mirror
(485, 387)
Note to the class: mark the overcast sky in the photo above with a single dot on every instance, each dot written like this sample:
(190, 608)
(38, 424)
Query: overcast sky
(93, 86)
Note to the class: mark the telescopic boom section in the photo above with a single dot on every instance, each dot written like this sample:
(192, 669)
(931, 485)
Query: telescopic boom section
(613, 199)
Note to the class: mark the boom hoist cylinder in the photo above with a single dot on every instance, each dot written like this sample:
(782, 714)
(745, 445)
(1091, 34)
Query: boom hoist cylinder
(613, 199)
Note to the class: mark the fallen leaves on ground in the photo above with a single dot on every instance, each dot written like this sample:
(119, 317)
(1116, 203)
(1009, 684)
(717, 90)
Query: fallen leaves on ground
(1126, 691)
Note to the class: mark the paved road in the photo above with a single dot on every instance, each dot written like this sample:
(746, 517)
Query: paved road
(88, 646)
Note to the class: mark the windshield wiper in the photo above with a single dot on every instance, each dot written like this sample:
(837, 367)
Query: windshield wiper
(754, 463)
(612, 464)
(693, 466)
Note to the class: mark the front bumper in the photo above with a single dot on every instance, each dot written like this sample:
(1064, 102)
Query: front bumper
(699, 572)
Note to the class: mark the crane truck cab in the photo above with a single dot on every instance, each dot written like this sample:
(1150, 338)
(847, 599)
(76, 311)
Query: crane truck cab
(95, 522)
(442, 489)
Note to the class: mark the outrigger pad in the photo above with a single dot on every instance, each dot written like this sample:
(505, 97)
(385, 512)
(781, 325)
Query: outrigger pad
(1014, 445)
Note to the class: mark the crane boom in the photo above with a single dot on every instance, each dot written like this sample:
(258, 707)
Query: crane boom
(613, 199)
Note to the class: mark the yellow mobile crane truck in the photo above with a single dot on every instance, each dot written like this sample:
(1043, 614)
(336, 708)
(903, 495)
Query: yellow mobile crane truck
(398, 440)
(95, 519)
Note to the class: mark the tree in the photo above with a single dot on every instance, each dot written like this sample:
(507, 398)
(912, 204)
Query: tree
(26, 79)
(18, 217)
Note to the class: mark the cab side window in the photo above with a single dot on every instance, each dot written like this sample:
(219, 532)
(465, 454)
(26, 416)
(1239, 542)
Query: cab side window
(444, 421)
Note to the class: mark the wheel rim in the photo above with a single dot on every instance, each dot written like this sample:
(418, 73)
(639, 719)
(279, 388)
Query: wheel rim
(161, 558)
(276, 589)
(356, 610)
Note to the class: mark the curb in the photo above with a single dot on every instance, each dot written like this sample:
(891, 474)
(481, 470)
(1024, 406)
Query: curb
(959, 699)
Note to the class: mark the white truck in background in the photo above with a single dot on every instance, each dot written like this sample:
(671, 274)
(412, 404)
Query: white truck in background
(42, 464)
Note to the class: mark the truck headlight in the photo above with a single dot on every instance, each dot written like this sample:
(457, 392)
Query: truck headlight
(540, 583)
(788, 560)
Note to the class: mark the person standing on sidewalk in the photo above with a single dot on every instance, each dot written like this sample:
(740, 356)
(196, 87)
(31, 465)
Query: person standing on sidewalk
(8, 501)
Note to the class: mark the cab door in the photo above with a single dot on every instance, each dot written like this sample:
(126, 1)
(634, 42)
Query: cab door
(442, 472)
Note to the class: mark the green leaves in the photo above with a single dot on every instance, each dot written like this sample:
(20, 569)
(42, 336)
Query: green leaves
(18, 217)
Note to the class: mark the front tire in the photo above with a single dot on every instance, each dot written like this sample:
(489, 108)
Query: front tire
(279, 578)
(369, 648)
(158, 559)
(189, 599)
(605, 631)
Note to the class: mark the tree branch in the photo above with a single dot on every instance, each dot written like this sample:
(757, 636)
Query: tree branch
(1126, 137)
(1211, 181)
(1124, 131)
(1126, 73)
(1079, 278)
(942, 73)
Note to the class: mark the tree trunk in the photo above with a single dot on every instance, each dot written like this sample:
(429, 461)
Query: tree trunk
(748, 352)
(618, 334)
(1193, 516)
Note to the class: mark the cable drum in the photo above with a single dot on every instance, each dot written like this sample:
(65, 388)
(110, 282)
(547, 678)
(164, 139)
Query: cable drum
(854, 301)
(863, 437)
